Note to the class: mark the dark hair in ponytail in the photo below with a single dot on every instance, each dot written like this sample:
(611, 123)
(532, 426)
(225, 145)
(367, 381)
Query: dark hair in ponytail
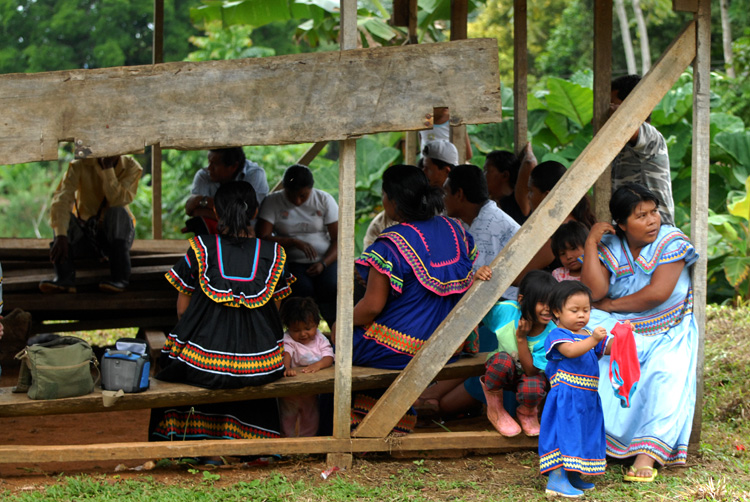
(236, 206)
(407, 187)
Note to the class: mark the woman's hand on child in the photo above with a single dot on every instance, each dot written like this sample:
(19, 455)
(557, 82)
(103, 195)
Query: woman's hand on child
(483, 273)
(599, 333)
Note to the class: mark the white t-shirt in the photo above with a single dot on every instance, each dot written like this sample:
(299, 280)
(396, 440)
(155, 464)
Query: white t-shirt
(308, 222)
(438, 131)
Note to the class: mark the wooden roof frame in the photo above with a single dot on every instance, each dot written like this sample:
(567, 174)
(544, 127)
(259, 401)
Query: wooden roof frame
(692, 45)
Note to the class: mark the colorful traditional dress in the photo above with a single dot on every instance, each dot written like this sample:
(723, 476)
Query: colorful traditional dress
(230, 336)
(659, 419)
(572, 427)
(429, 266)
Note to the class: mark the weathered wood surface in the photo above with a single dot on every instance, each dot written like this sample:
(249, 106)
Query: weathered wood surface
(520, 75)
(699, 199)
(685, 5)
(532, 235)
(602, 96)
(480, 440)
(28, 249)
(303, 98)
(29, 279)
(173, 394)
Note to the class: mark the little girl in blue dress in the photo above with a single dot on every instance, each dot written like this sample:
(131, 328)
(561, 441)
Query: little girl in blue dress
(571, 440)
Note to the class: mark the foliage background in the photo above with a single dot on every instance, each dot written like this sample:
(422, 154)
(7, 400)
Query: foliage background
(46, 35)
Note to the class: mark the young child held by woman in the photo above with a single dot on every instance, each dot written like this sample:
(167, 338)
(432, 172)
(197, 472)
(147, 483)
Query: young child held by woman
(519, 363)
(307, 350)
(571, 441)
(567, 245)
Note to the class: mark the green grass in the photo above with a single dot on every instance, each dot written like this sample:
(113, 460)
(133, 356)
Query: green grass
(720, 472)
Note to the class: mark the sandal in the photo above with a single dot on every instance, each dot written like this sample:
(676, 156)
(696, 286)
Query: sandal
(633, 478)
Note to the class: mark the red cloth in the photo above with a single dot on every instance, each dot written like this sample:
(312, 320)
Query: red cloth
(624, 368)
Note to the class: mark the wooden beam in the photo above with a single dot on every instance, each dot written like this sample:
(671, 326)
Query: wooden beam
(410, 148)
(212, 104)
(532, 235)
(284, 446)
(459, 19)
(685, 5)
(342, 395)
(413, 8)
(602, 96)
(157, 57)
(520, 73)
(175, 394)
(699, 198)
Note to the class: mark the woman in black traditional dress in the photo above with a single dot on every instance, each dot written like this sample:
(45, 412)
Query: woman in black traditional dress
(229, 333)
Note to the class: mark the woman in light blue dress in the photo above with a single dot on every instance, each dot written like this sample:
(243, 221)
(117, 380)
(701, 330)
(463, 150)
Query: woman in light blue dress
(642, 275)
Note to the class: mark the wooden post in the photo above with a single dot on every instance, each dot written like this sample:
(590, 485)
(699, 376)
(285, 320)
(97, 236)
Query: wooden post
(342, 400)
(520, 72)
(413, 7)
(459, 31)
(699, 198)
(410, 147)
(540, 226)
(602, 95)
(157, 57)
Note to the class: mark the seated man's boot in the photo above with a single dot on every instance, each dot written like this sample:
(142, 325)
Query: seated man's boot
(64, 281)
(119, 266)
(528, 418)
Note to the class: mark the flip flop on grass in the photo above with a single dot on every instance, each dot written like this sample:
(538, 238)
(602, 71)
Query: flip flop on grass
(632, 471)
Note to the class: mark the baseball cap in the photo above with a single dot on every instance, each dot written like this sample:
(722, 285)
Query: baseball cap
(441, 149)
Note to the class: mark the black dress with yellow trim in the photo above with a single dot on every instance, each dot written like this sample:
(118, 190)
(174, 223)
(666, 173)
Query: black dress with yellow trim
(230, 336)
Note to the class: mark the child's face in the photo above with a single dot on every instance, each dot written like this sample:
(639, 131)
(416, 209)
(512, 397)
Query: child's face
(543, 313)
(575, 312)
(569, 258)
(302, 332)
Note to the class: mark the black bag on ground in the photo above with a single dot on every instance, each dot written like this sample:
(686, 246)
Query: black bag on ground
(54, 366)
(127, 367)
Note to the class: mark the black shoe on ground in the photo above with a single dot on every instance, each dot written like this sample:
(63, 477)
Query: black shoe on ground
(113, 286)
(55, 286)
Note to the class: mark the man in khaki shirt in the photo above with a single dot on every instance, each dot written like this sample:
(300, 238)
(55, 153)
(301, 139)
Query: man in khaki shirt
(90, 218)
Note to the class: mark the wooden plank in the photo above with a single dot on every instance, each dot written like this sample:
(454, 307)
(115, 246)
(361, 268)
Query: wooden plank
(532, 235)
(602, 96)
(699, 198)
(212, 104)
(685, 5)
(174, 394)
(413, 9)
(410, 148)
(282, 446)
(156, 213)
(30, 281)
(520, 75)
(67, 304)
(458, 138)
(26, 249)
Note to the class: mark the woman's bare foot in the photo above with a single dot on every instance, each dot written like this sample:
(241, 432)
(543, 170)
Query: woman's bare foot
(643, 466)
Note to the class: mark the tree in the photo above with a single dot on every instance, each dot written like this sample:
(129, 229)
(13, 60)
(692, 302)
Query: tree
(627, 42)
(726, 37)
(643, 36)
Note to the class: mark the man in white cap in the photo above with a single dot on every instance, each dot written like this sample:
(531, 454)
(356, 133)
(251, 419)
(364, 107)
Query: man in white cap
(440, 156)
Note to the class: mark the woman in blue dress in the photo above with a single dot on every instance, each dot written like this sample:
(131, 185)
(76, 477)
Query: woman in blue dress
(642, 275)
(415, 271)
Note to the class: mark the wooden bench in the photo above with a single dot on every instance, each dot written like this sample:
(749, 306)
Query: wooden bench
(163, 394)
(148, 302)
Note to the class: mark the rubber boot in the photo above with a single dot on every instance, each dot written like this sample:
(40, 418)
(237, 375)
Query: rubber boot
(119, 266)
(559, 485)
(577, 482)
(65, 278)
(528, 418)
(500, 419)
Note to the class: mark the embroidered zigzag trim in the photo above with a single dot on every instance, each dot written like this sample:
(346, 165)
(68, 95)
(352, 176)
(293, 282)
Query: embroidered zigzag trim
(659, 257)
(223, 363)
(552, 460)
(180, 285)
(185, 425)
(584, 382)
(361, 406)
(651, 446)
(662, 321)
(392, 339)
(383, 266)
(227, 297)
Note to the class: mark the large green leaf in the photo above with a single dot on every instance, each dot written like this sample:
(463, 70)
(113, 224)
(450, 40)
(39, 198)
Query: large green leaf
(741, 207)
(249, 12)
(736, 144)
(571, 100)
(674, 106)
(558, 124)
(372, 160)
(736, 269)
